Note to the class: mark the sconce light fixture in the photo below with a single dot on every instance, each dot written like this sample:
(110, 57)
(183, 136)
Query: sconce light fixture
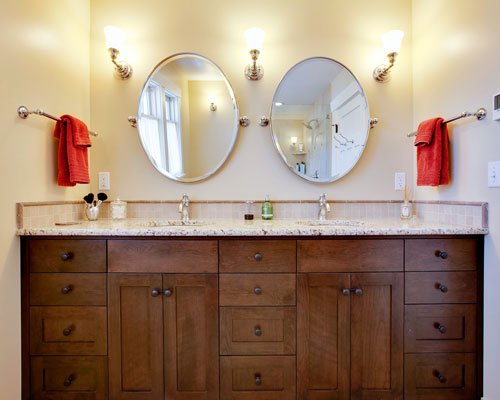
(392, 44)
(293, 139)
(212, 100)
(254, 38)
(114, 41)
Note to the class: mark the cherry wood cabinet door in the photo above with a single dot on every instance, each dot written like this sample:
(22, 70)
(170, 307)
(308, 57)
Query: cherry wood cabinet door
(323, 337)
(377, 336)
(191, 337)
(135, 322)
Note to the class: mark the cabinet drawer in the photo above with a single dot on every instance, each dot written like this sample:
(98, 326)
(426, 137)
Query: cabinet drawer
(440, 254)
(440, 376)
(350, 255)
(67, 255)
(69, 378)
(448, 328)
(68, 331)
(257, 378)
(440, 287)
(258, 331)
(257, 289)
(68, 289)
(167, 256)
(258, 256)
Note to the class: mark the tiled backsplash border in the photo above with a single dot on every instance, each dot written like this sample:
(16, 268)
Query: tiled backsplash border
(470, 214)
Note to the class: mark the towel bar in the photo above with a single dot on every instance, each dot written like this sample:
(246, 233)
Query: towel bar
(479, 114)
(23, 113)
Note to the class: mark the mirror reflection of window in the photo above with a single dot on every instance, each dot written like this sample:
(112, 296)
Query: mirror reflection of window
(173, 129)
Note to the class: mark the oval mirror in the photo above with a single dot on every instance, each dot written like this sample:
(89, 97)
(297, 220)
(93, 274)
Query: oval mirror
(320, 119)
(188, 118)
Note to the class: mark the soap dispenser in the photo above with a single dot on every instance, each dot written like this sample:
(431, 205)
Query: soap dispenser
(267, 209)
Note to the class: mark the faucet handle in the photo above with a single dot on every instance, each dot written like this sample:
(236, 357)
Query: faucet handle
(185, 198)
(322, 197)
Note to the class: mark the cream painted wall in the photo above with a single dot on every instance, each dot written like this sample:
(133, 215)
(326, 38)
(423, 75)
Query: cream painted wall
(456, 68)
(296, 29)
(45, 63)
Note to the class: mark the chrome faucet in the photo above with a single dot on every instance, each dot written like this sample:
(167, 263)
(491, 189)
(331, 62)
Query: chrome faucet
(184, 207)
(324, 207)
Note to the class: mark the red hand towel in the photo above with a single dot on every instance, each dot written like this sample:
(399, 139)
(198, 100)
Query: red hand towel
(432, 153)
(73, 162)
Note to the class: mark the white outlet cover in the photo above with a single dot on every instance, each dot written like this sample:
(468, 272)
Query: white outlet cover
(104, 179)
(399, 181)
(494, 174)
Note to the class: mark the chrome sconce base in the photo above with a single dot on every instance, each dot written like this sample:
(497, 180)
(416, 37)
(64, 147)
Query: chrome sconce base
(254, 71)
(244, 121)
(122, 70)
(213, 107)
(382, 73)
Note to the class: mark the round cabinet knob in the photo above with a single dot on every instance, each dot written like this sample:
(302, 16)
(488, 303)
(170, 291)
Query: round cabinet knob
(69, 380)
(257, 257)
(257, 290)
(67, 256)
(258, 379)
(440, 377)
(155, 292)
(168, 292)
(441, 254)
(258, 331)
(439, 327)
(66, 289)
(67, 331)
(442, 287)
(358, 292)
(346, 292)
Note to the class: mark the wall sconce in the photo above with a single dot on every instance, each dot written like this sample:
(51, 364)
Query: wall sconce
(392, 44)
(293, 139)
(212, 100)
(254, 38)
(114, 40)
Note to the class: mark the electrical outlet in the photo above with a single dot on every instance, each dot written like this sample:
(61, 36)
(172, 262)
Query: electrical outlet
(399, 181)
(494, 174)
(104, 180)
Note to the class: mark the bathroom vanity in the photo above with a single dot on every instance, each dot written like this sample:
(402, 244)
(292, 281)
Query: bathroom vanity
(172, 314)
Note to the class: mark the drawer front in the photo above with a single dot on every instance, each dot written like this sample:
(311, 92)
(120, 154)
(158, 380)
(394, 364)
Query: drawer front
(350, 255)
(440, 376)
(448, 328)
(257, 289)
(258, 378)
(258, 256)
(67, 255)
(69, 378)
(440, 287)
(68, 331)
(440, 254)
(68, 289)
(258, 331)
(163, 256)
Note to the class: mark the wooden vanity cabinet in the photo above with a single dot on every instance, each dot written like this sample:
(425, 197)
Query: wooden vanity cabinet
(336, 318)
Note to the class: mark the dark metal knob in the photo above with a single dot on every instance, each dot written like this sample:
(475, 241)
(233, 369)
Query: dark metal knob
(67, 289)
(66, 256)
(67, 331)
(346, 292)
(258, 379)
(358, 292)
(439, 327)
(440, 377)
(258, 331)
(69, 380)
(442, 287)
(257, 257)
(257, 290)
(155, 292)
(168, 292)
(442, 254)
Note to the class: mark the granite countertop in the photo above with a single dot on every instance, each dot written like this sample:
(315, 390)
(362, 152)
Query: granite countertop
(232, 227)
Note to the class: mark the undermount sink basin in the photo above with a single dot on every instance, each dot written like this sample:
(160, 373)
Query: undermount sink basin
(331, 222)
(176, 222)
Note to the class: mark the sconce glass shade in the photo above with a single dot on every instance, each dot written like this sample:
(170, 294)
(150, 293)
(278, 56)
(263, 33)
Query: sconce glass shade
(254, 38)
(212, 99)
(114, 37)
(293, 139)
(392, 41)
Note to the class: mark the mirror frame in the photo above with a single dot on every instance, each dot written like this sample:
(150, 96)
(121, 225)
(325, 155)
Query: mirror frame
(237, 118)
(275, 138)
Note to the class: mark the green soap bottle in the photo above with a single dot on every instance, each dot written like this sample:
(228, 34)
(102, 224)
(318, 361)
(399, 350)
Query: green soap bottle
(267, 209)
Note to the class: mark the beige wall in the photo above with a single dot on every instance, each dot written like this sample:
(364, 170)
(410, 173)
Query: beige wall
(45, 63)
(296, 29)
(456, 68)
